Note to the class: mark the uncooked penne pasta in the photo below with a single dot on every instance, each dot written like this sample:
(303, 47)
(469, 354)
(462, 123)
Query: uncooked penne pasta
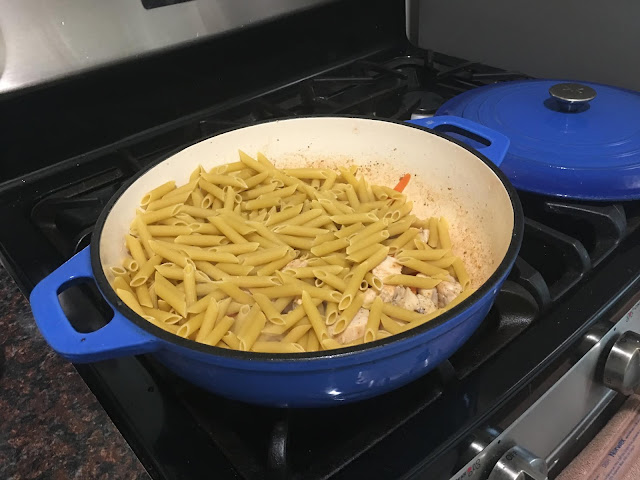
(252, 257)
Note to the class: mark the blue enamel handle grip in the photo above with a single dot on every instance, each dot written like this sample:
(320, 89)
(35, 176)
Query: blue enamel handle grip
(495, 151)
(118, 338)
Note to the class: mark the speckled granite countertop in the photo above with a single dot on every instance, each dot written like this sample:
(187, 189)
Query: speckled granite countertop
(51, 425)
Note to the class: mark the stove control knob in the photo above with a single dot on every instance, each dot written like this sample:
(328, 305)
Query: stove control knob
(572, 96)
(622, 368)
(519, 464)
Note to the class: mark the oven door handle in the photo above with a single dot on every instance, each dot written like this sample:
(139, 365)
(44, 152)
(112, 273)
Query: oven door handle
(498, 144)
(117, 338)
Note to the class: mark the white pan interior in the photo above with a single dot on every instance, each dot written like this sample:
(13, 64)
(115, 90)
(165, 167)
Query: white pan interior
(447, 180)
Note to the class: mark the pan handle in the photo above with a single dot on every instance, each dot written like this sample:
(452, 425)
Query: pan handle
(116, 339)
(498, 143)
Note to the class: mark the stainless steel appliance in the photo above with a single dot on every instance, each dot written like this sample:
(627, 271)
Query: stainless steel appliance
(523, 396)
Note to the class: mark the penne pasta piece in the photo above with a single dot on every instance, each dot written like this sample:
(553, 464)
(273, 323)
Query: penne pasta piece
(145, 236)
(191, 326)
(373, 321)
(120, 272)
(296, 333)
(262, 257)
(421, 267)
(158, 192)
(309, 272)
(428, 254)
(256, 179)
(211, 189)
(285, 214)
(373, 281)
(444, 241)
(211, 270)
(253, 281)
(301, 243)
(145, 271)
(397, 228)
(228, 168)
(300, 231)
(161, 250)
(250, 334)
(324, 238)
(350, 230)
(402, 314)
(329, 247)
(237, 248)
(221, 332)
(226, 180)
(271, 267)
(164, 326)
(346, 316)
(305, 217)
(229, 199)
(162, 316)
(170, 294)
(317, 322)
(411, 281)
(168, 201)
(204, 229)
(403, 239)
(142, 294)
(208, 320)
(226, 229)
(355, 218)
(157, 215)
(331, 313)
(167, 231)
(373, 239)
(434, 237)
(130, 264)
(130, 300)
(232, 291)
(189, 279)
(461, 273)
(271, 312)
(135, 248)
(199, 240)
(391, 325)
(330, 279)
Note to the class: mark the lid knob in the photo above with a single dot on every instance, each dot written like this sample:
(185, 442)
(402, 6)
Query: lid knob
(572, 97)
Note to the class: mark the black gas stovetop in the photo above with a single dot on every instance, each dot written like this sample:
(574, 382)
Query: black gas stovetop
(577, 259)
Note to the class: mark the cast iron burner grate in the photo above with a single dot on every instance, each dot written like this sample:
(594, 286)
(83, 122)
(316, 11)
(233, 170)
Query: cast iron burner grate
(564, 241)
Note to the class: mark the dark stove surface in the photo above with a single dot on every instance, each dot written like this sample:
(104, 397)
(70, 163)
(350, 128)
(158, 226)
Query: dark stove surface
(576, 259)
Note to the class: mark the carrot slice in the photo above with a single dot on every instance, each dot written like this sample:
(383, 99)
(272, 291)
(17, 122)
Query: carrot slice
(404, 181)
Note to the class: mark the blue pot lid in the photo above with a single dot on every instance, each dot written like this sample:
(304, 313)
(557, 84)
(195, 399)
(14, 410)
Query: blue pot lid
(571, 140)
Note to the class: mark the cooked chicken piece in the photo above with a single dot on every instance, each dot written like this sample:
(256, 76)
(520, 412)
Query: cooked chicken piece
(389, 266)
(356, 328)
(369, 297)
(423, 235)
(405, 298)
(296, 263)
(427, 305)
(430, 294)
(448, 289)
(387, 292)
